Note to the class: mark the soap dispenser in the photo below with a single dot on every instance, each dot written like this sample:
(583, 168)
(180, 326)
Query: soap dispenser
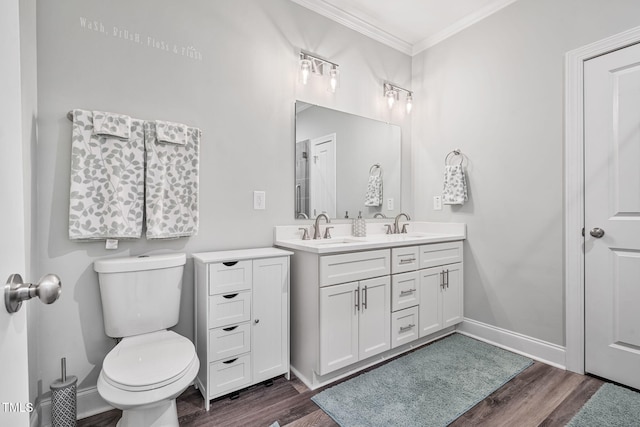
(359, 226)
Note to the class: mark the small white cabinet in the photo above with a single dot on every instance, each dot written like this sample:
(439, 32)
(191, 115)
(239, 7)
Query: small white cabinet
(241, 318)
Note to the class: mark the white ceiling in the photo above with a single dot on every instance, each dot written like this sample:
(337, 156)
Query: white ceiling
(407, 25)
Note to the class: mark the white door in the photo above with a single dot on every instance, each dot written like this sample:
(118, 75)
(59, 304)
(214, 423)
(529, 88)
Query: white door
(375, 317)
(612, 207)
(322, 176)
(14, 391)
(270, 349)
(338, 326)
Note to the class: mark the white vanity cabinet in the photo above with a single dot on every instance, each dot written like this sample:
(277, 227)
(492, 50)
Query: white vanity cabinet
(354, 322)
(354, 308)
(241, 318)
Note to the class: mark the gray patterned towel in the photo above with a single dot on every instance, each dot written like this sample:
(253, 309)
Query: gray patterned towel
(111, 124)
(455, 185)
(175, 133)
(107, 182)
(373, 196)
(172, 184)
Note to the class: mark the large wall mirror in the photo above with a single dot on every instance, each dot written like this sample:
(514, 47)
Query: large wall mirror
(345, 164)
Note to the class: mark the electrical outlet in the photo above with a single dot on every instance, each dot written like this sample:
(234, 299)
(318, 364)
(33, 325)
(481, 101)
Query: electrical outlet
(437, 203)
(259, 200)
(390, 204)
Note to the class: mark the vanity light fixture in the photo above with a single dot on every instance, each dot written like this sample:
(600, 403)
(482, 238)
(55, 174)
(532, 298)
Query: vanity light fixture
(392, 93)
(334, 75)
(311, 64)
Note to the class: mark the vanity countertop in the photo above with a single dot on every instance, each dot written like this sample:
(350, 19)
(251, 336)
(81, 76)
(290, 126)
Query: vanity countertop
(342, 241)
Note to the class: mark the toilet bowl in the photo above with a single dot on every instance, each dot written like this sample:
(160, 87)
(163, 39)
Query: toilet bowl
(144, 374)
(151, 365)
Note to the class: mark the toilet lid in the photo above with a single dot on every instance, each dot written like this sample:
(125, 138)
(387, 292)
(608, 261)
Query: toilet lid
(148, 361)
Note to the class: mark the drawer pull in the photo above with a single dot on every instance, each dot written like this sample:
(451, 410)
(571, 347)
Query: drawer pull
(227, 362)
(407, 260)
(230, 263)
(407, 291)
(406, 328)
(230, 296)
(230, 328)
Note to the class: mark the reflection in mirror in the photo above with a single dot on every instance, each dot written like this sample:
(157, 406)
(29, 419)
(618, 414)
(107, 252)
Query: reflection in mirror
(345, 164)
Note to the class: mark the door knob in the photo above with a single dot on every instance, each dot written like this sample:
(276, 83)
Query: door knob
(597, 232)
(48, 289)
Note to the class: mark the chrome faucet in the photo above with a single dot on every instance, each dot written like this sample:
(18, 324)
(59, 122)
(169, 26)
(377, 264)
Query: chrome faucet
(396, 227)
(316, 227)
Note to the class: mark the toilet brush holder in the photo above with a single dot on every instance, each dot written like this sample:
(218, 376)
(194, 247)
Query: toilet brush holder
(63, 399)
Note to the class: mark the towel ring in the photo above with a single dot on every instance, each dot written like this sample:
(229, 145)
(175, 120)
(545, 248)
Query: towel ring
(373, 168)
(453, 154)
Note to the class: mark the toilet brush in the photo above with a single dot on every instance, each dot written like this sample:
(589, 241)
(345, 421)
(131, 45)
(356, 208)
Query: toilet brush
(63, 399)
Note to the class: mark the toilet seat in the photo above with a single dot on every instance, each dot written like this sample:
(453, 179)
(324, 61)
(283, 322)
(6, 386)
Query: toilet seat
(148, 361)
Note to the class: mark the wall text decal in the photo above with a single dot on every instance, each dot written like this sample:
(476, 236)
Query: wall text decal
(148, 41)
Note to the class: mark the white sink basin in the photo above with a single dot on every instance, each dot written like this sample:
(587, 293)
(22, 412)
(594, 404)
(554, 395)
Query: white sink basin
(331, 241)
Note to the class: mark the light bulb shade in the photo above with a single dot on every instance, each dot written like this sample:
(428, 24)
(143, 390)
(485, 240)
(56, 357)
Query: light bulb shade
(334, 79)
(391, 98)
(305, 70)
(409, 104)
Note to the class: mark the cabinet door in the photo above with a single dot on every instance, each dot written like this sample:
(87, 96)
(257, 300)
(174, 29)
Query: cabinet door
(375, 317)
(430, 315)
(269, 320)
(452, 297)
(338, 326)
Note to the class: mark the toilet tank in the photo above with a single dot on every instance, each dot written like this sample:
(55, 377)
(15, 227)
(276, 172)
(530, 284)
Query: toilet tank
(140, 294)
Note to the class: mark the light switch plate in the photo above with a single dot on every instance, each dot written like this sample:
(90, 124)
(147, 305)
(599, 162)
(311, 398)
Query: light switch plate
(437, 203)
(259, 200)
(390, 204)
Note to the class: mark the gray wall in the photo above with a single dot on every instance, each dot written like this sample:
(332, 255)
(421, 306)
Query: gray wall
(495, 91)
(241, 94)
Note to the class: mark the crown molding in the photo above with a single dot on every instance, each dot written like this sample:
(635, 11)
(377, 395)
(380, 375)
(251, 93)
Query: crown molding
(460, 25)
(350, 21)
(357, 24)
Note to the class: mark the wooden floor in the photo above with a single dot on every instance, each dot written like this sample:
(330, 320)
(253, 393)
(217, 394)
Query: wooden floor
(541, 395)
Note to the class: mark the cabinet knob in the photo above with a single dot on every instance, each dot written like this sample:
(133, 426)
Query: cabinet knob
(256, 321)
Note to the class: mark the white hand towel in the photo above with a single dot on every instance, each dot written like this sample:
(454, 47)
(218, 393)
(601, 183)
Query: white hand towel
(454, 191)
(111, 124)
(107, 182)
(171, 184)
(174, 133)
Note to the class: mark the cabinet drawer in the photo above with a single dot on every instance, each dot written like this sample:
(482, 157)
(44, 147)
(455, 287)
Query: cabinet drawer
(230, 341)
(354, 266)
(405, 259)
(405, 290)
(437, 254)
(229, 309)
(225, 277)
(228, 375)
(404, 326)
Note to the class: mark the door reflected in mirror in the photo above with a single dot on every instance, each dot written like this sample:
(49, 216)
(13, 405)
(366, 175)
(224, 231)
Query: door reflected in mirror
(345, 164)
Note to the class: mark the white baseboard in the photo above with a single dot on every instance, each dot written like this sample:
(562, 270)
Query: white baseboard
(551, 354)
(89, 403)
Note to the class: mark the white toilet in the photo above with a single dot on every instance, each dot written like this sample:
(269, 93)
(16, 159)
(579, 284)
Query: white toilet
(151, 366)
